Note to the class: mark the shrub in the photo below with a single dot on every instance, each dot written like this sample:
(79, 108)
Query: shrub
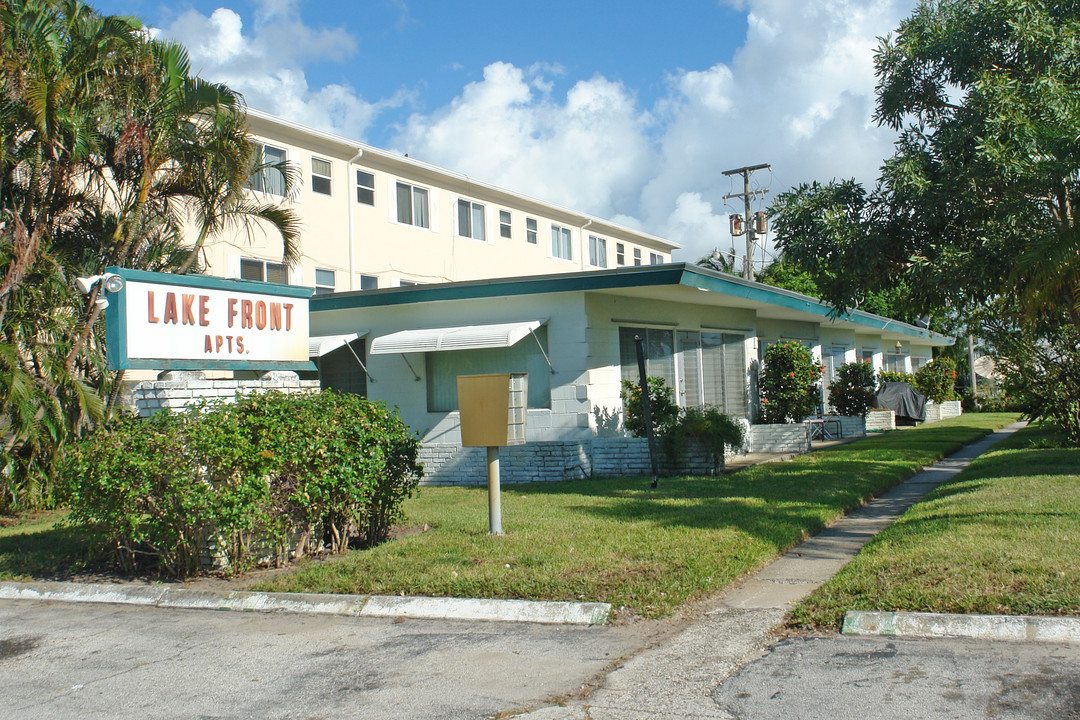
(662, 407)
(250, 477)
(937, 380)
(789, 393)
(705, 425)
(896, 376)
(852, 392)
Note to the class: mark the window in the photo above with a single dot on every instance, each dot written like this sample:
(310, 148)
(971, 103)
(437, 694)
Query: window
(867, 356)
(894, 362)
(324, 281)
(339, 370)
(597, 251)
(443, 368)
(918, 362)
(407, 283)
(656, 259)
(365, 187)
(369, 282)
(703, 367)
(637, 256)
(263, 271)
(530, 230)
(620, 254)
(504, 223)
(470, 220)
(560, 243)
(412, 205)
(320, 176)
(268, 179)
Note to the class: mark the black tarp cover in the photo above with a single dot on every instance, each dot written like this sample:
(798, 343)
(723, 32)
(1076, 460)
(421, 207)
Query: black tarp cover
(902, 399)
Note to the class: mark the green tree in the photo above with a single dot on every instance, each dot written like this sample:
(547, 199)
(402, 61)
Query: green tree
(789, 377)
(108, 146)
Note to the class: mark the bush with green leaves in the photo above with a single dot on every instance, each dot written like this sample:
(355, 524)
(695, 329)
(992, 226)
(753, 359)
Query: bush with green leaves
(852, 392)
(662, 408)
(789, 392)
(707, 426)
(251, 478)
(937, 380)
(885, 376)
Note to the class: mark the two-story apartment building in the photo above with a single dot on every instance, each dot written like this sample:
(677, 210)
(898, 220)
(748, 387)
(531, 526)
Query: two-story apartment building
(375, 219)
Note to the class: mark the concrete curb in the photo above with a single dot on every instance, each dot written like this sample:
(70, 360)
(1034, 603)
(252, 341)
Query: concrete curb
(1023, 628)
(432, 608)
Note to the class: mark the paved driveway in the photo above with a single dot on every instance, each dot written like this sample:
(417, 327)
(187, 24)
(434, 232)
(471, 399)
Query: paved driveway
(867, 678)
(100, 661)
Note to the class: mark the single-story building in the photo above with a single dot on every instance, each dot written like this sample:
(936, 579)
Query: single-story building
(705, 333)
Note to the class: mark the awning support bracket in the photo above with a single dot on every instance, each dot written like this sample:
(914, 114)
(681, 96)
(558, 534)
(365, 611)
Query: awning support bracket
(415, 376)
(362, 366)
(533, 333)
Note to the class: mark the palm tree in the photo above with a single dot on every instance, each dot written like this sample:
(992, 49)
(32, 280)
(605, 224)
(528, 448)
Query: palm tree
(110, 150)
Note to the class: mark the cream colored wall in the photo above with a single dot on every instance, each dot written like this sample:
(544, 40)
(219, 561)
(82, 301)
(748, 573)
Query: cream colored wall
(395, 252)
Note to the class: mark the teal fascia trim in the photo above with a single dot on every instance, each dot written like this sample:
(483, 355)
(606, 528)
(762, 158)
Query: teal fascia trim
(762, 293)
(116, 323)
(503, 287)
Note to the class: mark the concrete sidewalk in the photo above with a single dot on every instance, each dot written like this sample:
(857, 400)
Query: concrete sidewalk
(676, 678)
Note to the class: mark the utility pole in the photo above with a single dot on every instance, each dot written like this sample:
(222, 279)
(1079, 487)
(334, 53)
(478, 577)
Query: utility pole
(746, 194)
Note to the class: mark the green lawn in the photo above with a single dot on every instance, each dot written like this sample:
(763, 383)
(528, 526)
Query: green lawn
(618, 541)
(1002, 538)
(37, 546)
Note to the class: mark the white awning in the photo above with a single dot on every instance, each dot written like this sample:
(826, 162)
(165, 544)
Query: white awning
(319, 345)
(468, 337)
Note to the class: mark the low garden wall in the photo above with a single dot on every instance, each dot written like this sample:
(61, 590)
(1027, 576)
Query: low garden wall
(880, 420)
(178, 389)
(549, 461)
(781, 438)
(941, 411)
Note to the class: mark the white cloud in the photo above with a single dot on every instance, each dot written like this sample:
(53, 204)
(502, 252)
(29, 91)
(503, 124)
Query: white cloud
(799, 95)
(266, 62)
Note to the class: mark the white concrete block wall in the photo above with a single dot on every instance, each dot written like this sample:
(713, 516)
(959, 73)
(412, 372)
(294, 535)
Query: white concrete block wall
(177, 390)
(786, 438)
(852, 426)
(878, 420)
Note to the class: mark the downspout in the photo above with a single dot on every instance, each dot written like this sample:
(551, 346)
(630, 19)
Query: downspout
(348, 199)
(581, 232)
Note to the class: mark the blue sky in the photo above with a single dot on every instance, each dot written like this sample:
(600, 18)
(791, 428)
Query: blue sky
(627, 110)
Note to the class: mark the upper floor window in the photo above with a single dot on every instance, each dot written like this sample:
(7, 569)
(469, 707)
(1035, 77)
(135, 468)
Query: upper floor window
(504, 223)
(530, 230)
(320, 176)
(560, 243)
(365, 187)
(471, 220)
(263, 271)
(412, 205)
(324, 281)
(656, 259)
(597, 251)
(268, 179)
(620, 254)
(637, 256)
(369, 282)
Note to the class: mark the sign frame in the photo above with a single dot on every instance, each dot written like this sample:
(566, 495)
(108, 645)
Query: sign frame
(116, 324)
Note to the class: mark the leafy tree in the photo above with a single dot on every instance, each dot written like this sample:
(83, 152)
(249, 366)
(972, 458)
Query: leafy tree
(979, 197)
(937, 380)
(109, 146)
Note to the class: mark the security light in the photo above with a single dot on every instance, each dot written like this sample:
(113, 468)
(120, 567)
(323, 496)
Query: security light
(112, 283)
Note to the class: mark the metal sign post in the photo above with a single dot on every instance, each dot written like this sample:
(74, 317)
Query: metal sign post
(647, 410)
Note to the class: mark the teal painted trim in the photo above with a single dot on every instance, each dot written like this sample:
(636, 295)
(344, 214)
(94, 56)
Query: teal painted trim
(593, 280)
(116, 330)
(163, 365)
(214, 283)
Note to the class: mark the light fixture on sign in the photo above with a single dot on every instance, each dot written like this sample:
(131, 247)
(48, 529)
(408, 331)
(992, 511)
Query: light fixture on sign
(111, 282)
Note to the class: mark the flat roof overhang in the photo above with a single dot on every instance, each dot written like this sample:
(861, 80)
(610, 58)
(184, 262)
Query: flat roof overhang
(676, 282)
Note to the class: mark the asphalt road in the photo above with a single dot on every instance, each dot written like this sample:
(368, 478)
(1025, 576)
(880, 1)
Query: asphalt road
(872, 678)
(60, 660)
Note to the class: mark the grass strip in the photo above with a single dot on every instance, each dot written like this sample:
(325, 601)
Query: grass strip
(38, 546)
(618, 541)
(1002, 538)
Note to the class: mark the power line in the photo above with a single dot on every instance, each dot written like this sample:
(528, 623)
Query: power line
(746, 195)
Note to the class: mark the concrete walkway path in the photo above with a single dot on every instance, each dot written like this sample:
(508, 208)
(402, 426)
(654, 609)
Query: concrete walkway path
(675, 678)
